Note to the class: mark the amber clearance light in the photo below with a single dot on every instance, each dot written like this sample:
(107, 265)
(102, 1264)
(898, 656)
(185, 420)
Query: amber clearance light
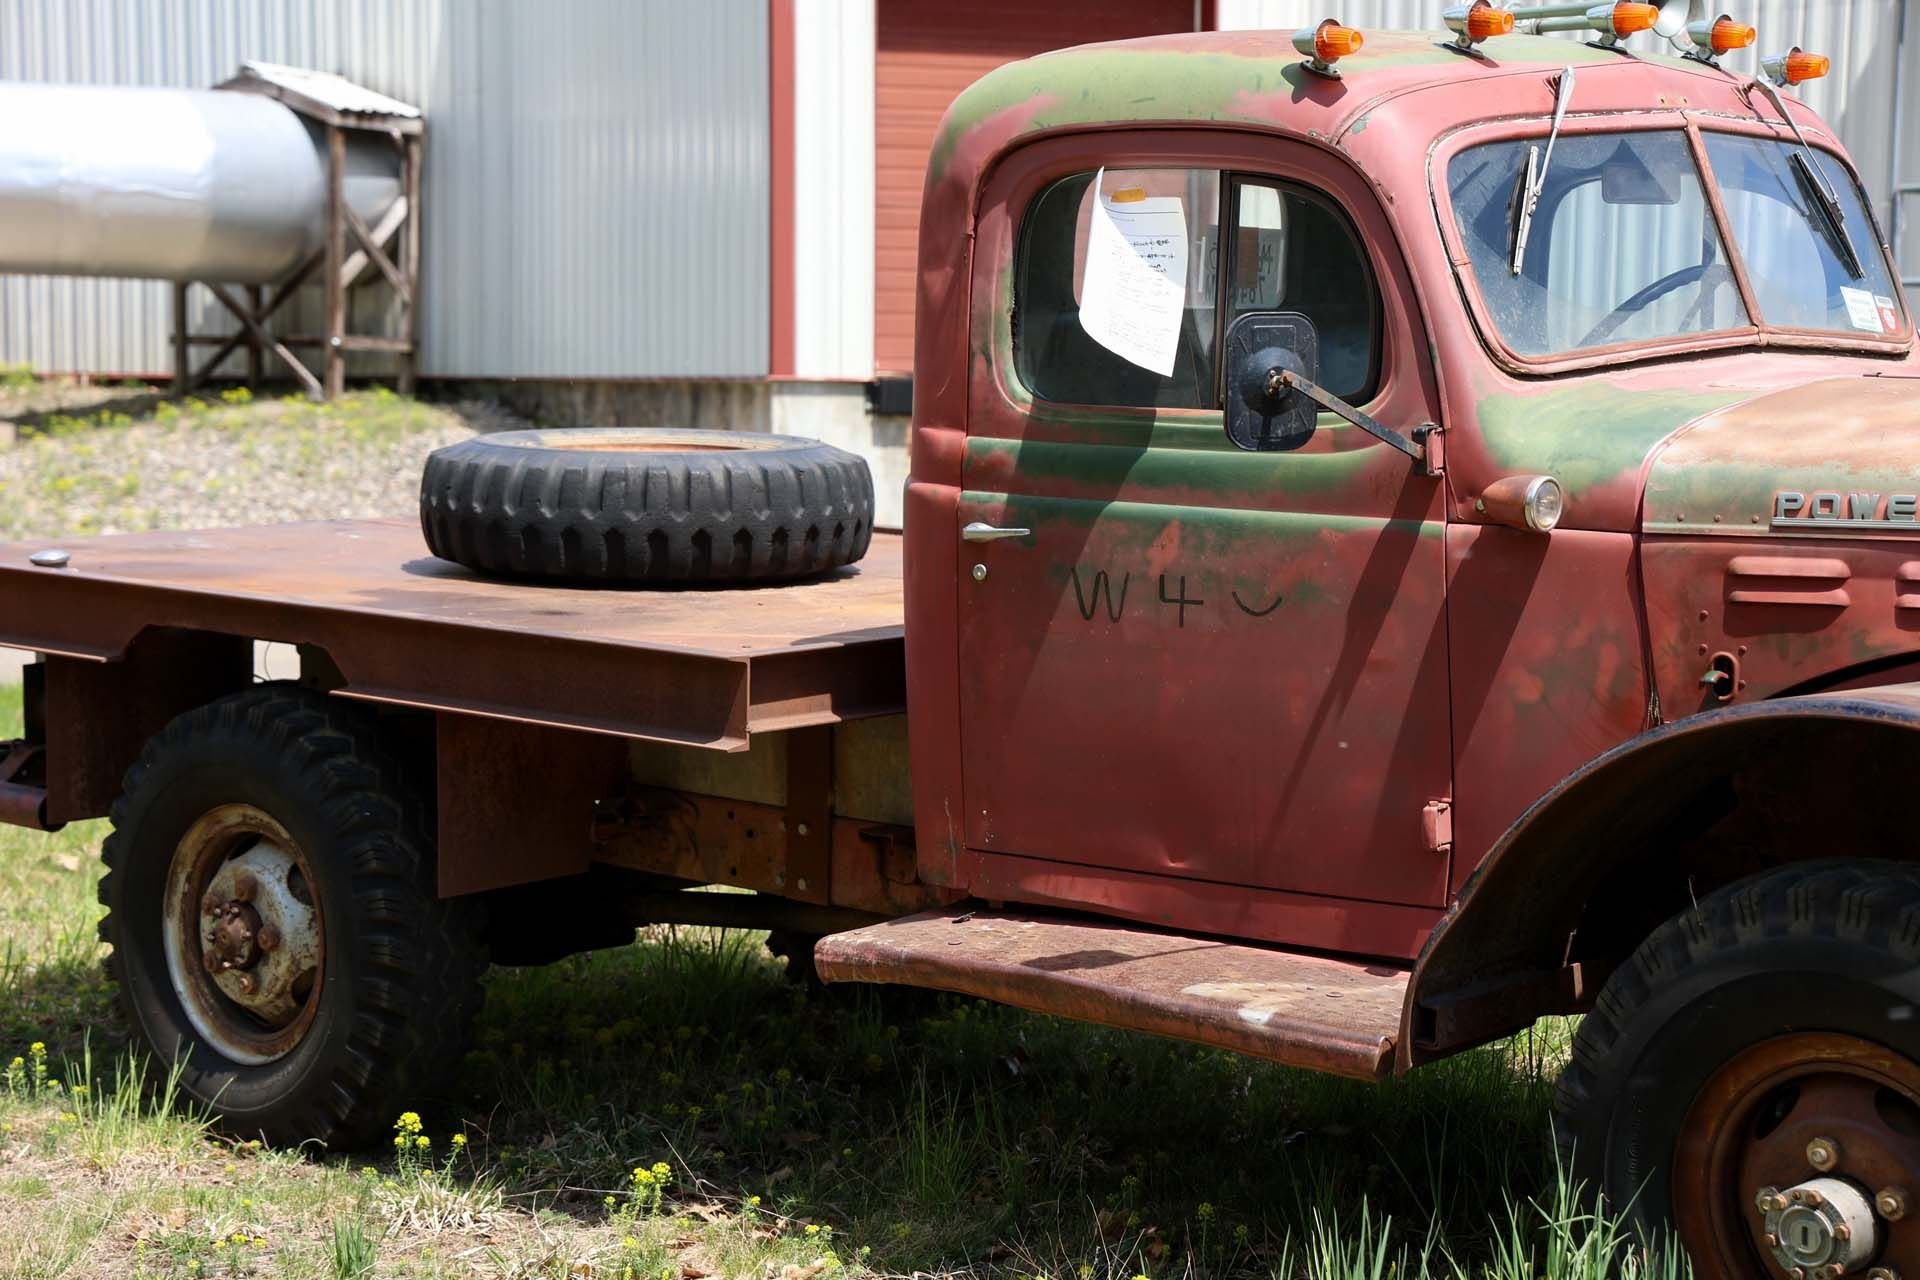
(1472, 23)
(1726, 35)
(1326, 44)
(1717, 36)
(1795, 66)
(1628, 18)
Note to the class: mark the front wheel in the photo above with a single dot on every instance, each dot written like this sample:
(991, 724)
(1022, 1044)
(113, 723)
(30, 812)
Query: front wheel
(1750, 1080)
(275, 930)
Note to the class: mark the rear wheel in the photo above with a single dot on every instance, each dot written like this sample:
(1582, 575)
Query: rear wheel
(1750, 1079)
(275, 930)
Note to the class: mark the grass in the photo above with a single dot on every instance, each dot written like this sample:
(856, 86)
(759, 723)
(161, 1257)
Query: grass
(677, 1109)
(128, 461)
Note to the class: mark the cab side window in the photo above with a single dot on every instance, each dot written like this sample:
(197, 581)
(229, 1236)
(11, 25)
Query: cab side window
(1055, 355)
(1286, 249)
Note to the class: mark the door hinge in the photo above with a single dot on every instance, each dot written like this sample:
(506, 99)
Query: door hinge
(1433, 444)
(1436, 821)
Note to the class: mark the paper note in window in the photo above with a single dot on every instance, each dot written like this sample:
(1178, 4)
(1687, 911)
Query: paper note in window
(1134, 292)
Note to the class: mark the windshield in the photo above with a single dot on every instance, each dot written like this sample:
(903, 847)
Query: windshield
(1801, 275)
(1624, 246)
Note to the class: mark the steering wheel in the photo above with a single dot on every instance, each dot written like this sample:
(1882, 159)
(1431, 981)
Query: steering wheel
(1712, 274)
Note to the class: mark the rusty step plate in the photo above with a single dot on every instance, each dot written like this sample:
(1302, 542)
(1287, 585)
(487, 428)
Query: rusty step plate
(1330, 1015)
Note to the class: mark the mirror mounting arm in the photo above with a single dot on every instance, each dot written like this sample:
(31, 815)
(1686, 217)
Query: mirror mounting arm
(1423, 448)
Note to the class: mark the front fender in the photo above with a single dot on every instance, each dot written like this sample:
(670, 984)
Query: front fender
(1501, 956)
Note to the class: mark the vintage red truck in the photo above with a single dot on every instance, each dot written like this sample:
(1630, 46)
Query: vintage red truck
(1408, 533)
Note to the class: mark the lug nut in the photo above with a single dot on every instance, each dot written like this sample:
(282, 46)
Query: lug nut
(212, 962)
(1823, 1154)
(1891, 1203)
(210, 905)
(246, 984)
(245, 887)
(1883, 1273)
(1763, 1198)
(268, 939)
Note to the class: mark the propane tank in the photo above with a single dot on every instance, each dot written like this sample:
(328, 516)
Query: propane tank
(170, 184)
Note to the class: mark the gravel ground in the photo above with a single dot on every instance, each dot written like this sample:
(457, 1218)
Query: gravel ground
(77, 460)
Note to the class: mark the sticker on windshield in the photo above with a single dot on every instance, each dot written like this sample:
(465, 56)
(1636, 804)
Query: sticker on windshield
(1863, 309)
(1889, 314)
(1134, 294)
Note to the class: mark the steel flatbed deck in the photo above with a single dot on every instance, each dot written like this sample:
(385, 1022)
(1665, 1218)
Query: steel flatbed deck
(701, 667)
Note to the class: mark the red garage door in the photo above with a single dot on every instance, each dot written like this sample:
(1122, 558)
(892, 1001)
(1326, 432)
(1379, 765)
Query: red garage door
(926, 54)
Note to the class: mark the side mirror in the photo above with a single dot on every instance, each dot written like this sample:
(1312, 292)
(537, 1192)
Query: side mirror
(1263, 415)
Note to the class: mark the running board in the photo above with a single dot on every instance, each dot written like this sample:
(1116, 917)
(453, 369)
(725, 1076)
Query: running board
(1338, 1016)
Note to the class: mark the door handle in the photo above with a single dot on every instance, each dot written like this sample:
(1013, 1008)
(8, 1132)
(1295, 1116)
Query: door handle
(978, 532)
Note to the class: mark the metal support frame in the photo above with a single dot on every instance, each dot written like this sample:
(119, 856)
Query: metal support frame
(391, 247)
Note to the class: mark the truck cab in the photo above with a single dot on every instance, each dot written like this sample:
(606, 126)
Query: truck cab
(1495, 706)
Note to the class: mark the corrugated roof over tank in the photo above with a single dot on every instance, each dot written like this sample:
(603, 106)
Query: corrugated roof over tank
(596, 173)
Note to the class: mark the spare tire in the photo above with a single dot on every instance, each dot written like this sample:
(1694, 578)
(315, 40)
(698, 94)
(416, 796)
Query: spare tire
(624, 505)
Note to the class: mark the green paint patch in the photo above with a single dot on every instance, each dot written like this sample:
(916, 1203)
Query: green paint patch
(1164, 82)
(1185, 462)
(1590, 433)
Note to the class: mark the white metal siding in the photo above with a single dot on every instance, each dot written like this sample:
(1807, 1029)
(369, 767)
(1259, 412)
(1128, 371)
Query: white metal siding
(596, 177)
(833, 189)
(1856, 97)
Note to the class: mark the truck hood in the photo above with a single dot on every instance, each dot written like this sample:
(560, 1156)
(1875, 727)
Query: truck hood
(1839, 456)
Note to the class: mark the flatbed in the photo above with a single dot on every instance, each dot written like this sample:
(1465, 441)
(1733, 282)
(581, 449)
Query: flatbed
(702, 667)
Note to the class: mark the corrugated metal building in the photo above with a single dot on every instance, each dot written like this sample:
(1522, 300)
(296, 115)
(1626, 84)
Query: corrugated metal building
(580, 169)
(711, 203)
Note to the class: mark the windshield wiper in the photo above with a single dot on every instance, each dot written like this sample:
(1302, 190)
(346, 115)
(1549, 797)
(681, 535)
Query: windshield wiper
(1527, 198)
(1818, 191)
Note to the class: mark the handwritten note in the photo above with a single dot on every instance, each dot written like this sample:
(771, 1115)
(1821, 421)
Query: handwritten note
(1134, 292)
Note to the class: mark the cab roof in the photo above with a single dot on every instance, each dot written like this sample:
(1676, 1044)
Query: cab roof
(1258, 79)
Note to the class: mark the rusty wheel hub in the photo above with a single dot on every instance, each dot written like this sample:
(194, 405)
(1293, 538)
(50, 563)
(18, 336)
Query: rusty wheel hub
(242, 934)
(1796, 1160)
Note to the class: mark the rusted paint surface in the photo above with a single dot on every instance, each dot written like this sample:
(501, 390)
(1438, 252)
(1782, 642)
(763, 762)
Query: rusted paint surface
(1349, 925)
(1306, 1011)
(516, 801)
(1792, 613)
(1792, 606)
(1851, 436)
(101, 714)
(703, 667)
(1547, 667)
(699, 839)
(703, 839)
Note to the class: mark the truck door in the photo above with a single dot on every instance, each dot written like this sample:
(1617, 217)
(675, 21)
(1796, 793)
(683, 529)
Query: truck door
(1196, 664)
